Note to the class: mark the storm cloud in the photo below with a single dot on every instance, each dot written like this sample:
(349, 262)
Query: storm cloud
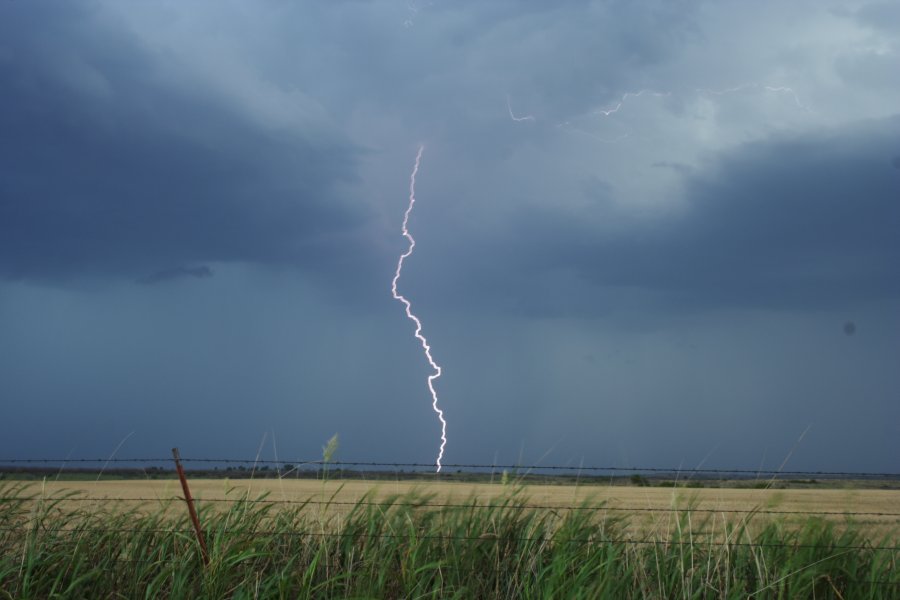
(115, 161)
(804, 222)
(705, 195)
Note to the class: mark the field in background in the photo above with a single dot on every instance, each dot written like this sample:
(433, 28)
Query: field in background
(646, 506)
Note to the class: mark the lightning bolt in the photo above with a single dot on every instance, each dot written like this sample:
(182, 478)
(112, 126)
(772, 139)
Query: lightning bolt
(768, 88)
(513, 116)
(608, 111)
(397, 296)
(413, 11)
(614, 108)
(790, 91)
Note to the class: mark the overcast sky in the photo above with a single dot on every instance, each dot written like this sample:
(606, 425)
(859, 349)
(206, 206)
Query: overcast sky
(648, 233)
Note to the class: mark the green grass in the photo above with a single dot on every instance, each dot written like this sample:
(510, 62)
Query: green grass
(398, 549)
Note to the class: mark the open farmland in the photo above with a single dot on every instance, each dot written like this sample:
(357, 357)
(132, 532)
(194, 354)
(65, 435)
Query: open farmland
(307, 538)
(876, 511)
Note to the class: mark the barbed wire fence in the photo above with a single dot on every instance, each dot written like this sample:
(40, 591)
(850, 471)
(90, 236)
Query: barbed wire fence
(400, 469)
(313, 467)
(473, 468)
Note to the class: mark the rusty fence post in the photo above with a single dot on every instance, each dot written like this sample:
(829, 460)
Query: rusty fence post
(190, 504)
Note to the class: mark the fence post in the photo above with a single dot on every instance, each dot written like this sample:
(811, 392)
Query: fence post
(190, 504)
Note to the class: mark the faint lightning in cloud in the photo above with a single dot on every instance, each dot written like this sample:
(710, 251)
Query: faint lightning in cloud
(615, 108)
(412, 11)
(513, 116)
(606, 112)
(749, 86)
(790, 91)
(408, 305)
(609, 111)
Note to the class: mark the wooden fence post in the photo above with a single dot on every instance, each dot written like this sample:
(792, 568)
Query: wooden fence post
(190, 503)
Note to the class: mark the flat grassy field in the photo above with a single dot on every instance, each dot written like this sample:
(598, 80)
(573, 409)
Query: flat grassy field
(358, 539)
(646, 507)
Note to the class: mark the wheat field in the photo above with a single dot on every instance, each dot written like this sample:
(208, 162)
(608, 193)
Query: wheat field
(646, 507)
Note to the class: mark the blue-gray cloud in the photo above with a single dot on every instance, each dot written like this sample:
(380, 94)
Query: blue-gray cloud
(583, 275)
(109, 167)
(792, 222)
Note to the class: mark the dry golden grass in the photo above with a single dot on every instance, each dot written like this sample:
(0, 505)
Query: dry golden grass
(335, 497)
(103, 547)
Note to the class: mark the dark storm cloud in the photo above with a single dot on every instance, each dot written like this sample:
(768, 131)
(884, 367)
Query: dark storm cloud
(805, 222)
(120, 157)
(447, 75)
(114, 162)
(143, 141)
(793, 222)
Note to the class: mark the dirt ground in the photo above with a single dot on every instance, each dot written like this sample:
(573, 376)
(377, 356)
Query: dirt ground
(611, 500)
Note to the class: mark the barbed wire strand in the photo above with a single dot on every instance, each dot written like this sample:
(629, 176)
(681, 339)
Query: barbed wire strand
(421, 465)
(387, 504)
(296, 465)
